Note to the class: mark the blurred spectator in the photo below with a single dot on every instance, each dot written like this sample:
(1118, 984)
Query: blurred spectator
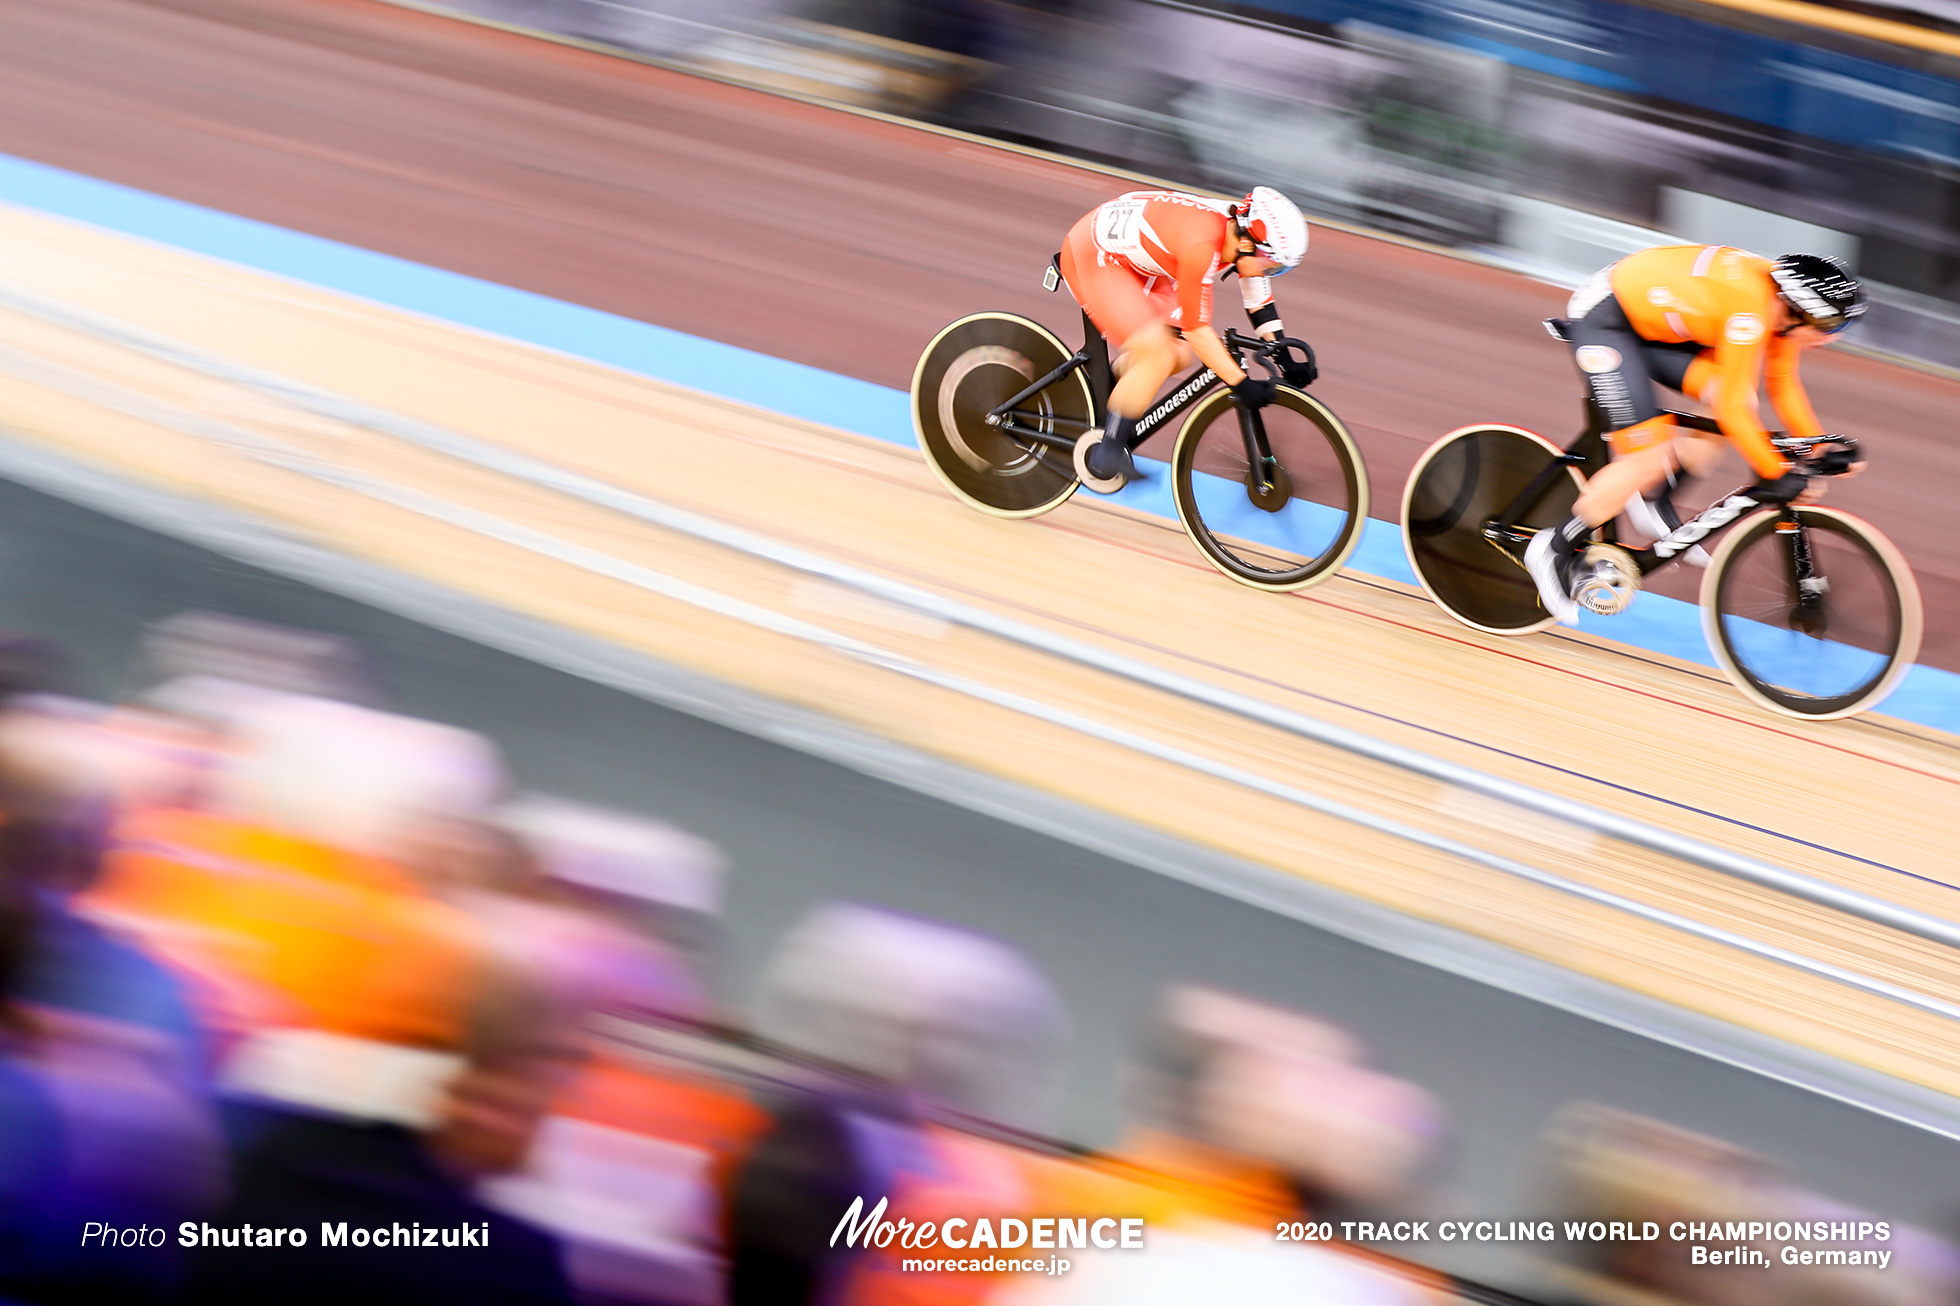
(608, 909)
(101, 1058)
(310, 1168)
(60, 775)
(1609, 1165)
(281, 899)
(920, 1017)
(221, 647)
(620, 907)
(1249, 1089)
(1244, 1110)
(31, 1132)
(953, 1017)
(379, 1054)
(629, 1168)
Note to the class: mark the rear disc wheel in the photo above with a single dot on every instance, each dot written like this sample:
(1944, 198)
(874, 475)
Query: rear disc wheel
(971, 368)
(1463, 481)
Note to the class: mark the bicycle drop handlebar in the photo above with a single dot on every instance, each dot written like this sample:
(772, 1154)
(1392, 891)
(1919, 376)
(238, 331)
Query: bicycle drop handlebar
(1275, 356)
(1834, 461)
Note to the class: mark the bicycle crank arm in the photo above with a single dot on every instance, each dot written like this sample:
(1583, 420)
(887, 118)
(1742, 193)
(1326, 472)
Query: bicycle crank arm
(1511, 539)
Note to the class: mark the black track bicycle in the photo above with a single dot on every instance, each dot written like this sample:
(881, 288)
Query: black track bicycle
(1810, 611)
(1275, 498)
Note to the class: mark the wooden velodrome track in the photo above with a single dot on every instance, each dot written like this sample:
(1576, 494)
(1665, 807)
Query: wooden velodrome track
(1865, 804)
(1371, 655)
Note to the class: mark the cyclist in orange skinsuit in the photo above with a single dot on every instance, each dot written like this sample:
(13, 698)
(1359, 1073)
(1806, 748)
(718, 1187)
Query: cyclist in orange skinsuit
(1704, 320)
(1143, 267)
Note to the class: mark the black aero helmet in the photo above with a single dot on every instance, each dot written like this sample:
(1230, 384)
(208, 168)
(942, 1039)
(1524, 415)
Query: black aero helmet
(1819, 289)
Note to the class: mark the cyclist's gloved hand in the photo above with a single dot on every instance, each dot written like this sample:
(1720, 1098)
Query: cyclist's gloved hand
(1836, 460)
(1254, 392)
(1302, 374)
(1784, 489)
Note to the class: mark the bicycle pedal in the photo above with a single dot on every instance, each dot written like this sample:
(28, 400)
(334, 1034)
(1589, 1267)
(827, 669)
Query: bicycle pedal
(1100, 484)
(1608, 580)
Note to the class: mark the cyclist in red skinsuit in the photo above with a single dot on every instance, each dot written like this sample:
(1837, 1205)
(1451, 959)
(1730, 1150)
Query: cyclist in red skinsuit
(1143, 266)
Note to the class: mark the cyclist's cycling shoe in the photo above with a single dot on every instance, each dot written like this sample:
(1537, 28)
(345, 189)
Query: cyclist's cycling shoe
(1553, 574)
(1657, 518)
(1103, 465)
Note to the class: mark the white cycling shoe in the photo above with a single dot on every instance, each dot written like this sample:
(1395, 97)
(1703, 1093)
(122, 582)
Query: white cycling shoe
(1554, 581)
(1650, 518)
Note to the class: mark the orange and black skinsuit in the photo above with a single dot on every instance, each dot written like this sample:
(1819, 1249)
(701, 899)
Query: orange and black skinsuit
(1696, 318)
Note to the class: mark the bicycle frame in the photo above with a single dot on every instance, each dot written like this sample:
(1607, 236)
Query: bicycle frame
(1094, 355)
(1589, 450)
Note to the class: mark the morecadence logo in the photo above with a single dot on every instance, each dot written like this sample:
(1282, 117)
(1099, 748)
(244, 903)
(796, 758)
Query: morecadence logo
(993, 1233)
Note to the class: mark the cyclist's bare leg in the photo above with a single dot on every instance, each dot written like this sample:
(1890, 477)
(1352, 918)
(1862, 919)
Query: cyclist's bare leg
(1147, 360)
(1641, 461)
(1627, 475)
(1698, 454)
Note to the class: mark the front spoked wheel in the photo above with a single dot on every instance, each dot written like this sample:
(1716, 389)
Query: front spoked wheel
(1823, 648)
(971, 368)
(1283, 526)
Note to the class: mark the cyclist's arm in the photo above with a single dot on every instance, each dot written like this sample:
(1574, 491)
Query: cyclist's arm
(1197, 270)
(1738, 359)
(1259, 306)
(1786, 391)
(1210, 349)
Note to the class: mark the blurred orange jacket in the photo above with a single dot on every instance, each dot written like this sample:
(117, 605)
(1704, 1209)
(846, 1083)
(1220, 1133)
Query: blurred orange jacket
(273, 930)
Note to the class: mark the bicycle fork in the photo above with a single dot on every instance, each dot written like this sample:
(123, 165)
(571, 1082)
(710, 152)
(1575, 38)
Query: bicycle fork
(1258, 452)
(1807, 588)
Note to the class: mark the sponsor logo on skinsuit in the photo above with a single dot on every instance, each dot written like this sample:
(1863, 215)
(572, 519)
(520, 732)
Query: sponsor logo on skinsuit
(1743, 329)
(1594, 359)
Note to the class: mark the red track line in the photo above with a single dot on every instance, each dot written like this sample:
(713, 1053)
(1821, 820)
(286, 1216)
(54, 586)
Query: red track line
(1077, 532)
(1577, 674)
(1719, 714)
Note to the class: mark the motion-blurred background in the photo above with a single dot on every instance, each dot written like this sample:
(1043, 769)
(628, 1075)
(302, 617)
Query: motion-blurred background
(321, 903)
(1553, 135)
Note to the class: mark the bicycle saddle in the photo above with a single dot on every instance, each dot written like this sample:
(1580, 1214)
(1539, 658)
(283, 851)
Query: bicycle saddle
(1560, 329)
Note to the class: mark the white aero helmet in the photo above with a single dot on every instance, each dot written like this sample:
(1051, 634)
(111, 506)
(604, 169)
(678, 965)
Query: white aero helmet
(1275, 226)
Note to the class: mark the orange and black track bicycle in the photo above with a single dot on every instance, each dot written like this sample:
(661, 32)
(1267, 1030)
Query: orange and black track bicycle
(1276, 498)
(1810, 611)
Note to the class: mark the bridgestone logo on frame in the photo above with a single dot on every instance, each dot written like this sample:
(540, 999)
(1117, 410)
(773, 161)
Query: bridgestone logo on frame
(1177, 399)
